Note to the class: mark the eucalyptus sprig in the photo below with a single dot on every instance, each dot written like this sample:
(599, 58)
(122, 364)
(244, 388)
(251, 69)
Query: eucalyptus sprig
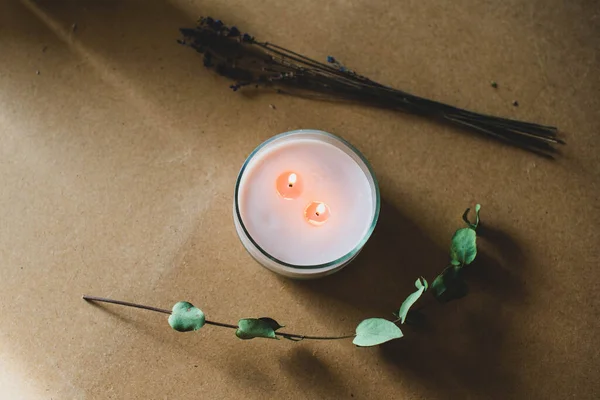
(449, 285)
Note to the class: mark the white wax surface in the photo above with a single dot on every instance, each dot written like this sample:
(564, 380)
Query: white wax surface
(329, 175)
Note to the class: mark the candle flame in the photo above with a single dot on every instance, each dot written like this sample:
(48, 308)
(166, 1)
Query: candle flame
(320, 209)
(292, 179)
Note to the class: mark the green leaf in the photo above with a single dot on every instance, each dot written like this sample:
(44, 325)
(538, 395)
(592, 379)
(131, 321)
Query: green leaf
(449, 285)
(250, 328)
(272, 323)
(466, 217)
(464, 247)
(421, 285)
(185, 317)
(374, 331)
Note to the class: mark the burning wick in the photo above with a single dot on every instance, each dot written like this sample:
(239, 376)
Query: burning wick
(292, 179)
(289, 185)
(320, 209)
(317, 213)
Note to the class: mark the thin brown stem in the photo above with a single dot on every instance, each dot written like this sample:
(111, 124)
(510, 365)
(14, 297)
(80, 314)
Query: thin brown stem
(291, 336)
(125, 303)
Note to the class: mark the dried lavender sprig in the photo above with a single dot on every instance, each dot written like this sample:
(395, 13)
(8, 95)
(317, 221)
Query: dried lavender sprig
(250, 62)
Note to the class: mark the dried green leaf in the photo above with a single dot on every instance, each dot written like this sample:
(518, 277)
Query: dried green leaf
(466, 217)
(374, 331)
(250, 328)
(449, 285)
(464, 247)
(185, 317)
(272, 323)
(421, 285)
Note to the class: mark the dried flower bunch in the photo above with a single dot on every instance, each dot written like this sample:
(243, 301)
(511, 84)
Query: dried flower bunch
(249, 62)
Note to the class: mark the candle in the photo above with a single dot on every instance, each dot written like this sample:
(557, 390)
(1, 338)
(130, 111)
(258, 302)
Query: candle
(305, 203)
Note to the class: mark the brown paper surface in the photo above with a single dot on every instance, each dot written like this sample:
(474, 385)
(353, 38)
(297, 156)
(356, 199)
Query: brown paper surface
(118, 162)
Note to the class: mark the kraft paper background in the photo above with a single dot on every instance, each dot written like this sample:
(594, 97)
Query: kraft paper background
(117, 167)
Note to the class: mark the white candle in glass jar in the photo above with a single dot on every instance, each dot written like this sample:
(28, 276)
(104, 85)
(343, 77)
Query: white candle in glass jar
(305, 203)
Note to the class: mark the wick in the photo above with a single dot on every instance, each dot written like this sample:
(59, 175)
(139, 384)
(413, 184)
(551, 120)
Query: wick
(290, 185)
